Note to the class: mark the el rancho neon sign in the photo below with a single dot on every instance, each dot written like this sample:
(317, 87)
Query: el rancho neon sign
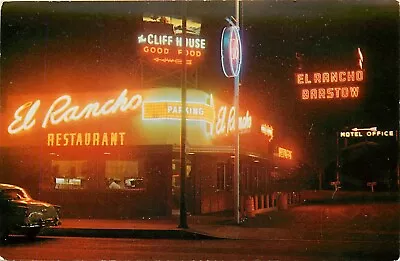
(62, 110)
(342, 84)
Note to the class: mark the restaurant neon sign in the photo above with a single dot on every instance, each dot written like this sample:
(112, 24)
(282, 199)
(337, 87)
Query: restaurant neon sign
(86, 139)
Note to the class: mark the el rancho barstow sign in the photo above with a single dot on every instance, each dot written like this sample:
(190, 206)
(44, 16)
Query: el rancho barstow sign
(330, 85)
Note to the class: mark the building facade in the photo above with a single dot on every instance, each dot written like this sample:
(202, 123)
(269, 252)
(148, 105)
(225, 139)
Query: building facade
(117, 154)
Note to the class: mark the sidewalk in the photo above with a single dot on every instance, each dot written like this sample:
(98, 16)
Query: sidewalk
(205, 227)
(199, 227)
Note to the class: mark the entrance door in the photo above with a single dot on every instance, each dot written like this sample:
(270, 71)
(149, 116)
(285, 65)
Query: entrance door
(176, 186)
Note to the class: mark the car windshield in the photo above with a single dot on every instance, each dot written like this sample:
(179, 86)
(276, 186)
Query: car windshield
(14, 194)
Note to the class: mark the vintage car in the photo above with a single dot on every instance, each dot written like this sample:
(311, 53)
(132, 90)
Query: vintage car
(20, 214)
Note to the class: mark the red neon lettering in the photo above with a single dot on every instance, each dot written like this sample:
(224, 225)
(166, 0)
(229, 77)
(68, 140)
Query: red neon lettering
(325, 77)
(345, 92)
(334, 77)
(351, 76)
(359, 76)
(314, 94)
(300, 78)
(330, 93)
(191, 53)
(305, 94)
(321, 93)
(342, 76)
(317, 78)
(155, 50)
(337, 92)
(354, 92)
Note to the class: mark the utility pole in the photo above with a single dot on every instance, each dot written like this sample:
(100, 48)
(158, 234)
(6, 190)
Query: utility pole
(183, 212)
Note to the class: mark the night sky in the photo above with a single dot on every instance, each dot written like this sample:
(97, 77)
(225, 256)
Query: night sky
(72, 46)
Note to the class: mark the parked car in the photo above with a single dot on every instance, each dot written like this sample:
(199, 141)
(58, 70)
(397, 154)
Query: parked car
(20, 214)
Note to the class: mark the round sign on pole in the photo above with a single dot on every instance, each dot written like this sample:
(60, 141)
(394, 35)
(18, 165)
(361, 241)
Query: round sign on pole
(231, 51)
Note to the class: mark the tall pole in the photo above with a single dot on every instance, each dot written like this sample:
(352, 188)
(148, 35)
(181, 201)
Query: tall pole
(398, 159)
(337, 157)
(183, 214)
(236, 181)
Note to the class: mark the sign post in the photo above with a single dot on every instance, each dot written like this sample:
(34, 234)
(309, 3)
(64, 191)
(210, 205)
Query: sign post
(231, 58)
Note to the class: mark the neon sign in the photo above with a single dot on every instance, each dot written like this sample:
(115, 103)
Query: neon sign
(339, 78)
(284, 153)
(168, 48)
(360, 58)
(172, 110)
(370, 133)
(231, 51)
(61, 110)
(268, 131)
(172, 40)
(64, 109)
(225, 121)
(85, 139)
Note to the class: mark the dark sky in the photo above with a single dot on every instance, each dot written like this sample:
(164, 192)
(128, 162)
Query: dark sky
(77, 45)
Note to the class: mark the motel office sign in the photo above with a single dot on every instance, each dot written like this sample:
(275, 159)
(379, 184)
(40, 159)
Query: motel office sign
(368, 133)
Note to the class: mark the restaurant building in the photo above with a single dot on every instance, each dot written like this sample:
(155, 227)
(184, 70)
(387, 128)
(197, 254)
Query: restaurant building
(117, 154)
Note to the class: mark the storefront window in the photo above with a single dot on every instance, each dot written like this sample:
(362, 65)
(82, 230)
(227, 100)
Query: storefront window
(123, 174)
(69, 174)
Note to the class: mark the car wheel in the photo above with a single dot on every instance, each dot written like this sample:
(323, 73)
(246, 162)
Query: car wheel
(32, 233)
(3, 230)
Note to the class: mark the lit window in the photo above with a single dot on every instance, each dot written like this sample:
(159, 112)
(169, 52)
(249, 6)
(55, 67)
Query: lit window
(69, 174)
(120, 174)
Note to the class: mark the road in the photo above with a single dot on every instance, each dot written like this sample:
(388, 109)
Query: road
(68, 248)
